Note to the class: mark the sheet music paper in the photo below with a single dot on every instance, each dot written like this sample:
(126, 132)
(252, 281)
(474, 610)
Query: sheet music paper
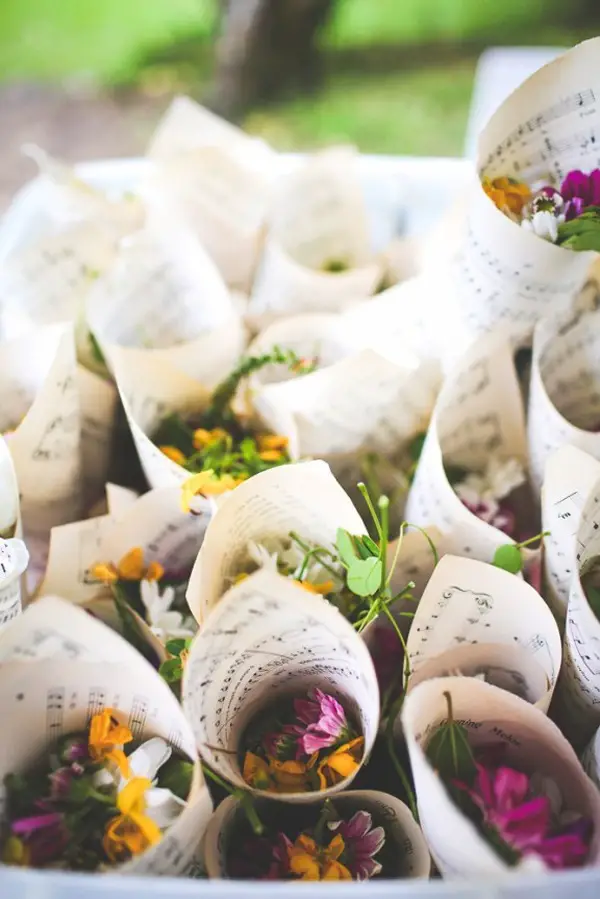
(13, 562)
(479, 411)
(98, 404)
(533, 744)
(409, 856)
(304, 498)
(570, 476)
(590, 759)
(163, 293)
(48, 280)
(467, 603)
(43, 411)
(217, 179)
(564, 394)
(269, 638)
(577, 703)
(60, 667)
(318, 217)
(550, 125)
(149, 392)
(363, 404)
(10, 514)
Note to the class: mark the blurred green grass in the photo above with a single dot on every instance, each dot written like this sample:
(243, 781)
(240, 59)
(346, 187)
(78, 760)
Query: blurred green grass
(417, 105)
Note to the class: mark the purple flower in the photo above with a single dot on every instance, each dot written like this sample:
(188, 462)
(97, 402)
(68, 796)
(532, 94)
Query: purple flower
(262, 858)
(323, 722)
(74, 749)
(386, 652)
(45, 837)
(580, 191)
(361, 844)
(524, 821)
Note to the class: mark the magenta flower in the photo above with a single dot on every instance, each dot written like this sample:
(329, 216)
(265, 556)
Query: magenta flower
(45, 836)
(362, 843)
(261, 858)
(580, 191)
(75, 749)
(524, 821)
(386, 652)
(323, 722)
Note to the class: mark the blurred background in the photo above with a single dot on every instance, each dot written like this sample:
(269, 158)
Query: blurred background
(90, 78)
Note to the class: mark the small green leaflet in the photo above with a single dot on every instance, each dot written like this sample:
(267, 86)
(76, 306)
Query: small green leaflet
(449, 751)
(364, 576)
(509, 558)
(345, 547)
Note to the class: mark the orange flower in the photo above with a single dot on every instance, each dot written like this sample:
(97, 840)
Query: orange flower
(270, 455)
(341, 763)
(174, 454)
(274, 776)
(256, 772)
(203, 438)
(323, 589)
(106, 739)
(509, 196)
(130, 568)
(312, 862)
(206, 483)
(271, 442)
(131, 832)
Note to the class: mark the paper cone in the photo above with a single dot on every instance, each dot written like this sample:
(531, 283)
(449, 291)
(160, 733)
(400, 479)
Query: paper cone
(64, 668)
(266, 640)
(491, 717)
(404, 840)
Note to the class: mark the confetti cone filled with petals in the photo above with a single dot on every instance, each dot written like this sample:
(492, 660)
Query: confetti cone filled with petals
(497, 784)
(296, 736)
(356, 836)
(111, 783)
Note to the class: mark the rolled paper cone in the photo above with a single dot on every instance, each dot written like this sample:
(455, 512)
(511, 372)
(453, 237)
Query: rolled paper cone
(576, 707)
(405, 847)
(478, 412)
(10, 515)
(13, 563)
(507, 275)
(467, 603)
(103, 608)
(564, 393)
(98, 403)
(304, 498)
(270, 640)
(163, 294)
(570, 476)
(532, 744)
(58, 668)
(509, 668)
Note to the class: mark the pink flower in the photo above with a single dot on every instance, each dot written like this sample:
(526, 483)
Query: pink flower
(323, 722)
(361, 844)
(580, 191)
(524, 821)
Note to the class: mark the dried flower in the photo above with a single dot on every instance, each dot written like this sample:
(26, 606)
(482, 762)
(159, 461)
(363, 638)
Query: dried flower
(309, 861)
(132, 831)
(322, 722)
(204, 484)
(341, 763)
(130, 568)
(362, 843)
(509, 196)
(106, 739)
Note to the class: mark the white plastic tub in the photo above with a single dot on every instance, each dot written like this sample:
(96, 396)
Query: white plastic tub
(422, 190)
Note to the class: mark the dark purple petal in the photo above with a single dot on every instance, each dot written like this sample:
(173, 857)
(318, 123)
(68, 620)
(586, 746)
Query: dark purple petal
(371, 843)
(576, 184)
(307, 711)
(595, 188)
(573, 208)
(358, 825)
(365, 868)
(548, 191)
(26, 826)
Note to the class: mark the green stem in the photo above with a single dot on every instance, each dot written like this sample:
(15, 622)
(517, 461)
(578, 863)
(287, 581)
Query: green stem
(241, 795)
(400, 636)
(384, 508)
(365, 495)
(389, 738)
(396, 554)
(532, 539)
(315, 551)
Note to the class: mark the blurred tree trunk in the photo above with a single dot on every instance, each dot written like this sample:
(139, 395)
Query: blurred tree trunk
(267, 49)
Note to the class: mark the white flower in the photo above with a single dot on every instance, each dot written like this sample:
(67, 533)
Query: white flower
(260, 555)
(500, 478)
(544, 224)
(162, 805)
(163, 622)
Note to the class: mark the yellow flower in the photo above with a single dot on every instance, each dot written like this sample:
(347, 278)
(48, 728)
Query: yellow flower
(203, 438)
(271, 442)
(131, 832)
(130, 568)
(322, 589)
(15, 852)
(341, 763)
(256, 772)
(509, 196)
(206, 483)
(174, 454)
(274, 776)
(106, 739)
(312, 862)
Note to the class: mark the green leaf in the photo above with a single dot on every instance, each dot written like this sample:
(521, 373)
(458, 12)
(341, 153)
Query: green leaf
(364, 576)
(171, 670)
(345, 547)
(415, 447)
(588, 240)
(176, 776)
(593, 597)
(370, 545)
(176, 646)
(449, 750)
(97, 354)
(509, 558)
